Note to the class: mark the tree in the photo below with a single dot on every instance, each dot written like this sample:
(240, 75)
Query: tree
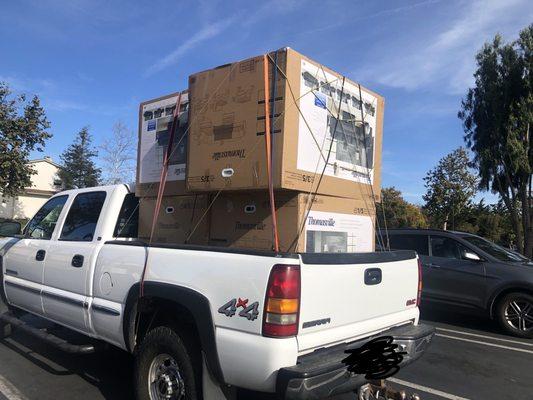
(118, 155)
(489, 221)
(450, 188)
(497, 114)
(23, 126)
(398, 213)
(79, 170)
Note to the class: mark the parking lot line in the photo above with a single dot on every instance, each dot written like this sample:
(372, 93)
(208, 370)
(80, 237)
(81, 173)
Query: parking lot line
(9, 391)
(484, 336)
(484, 343)
(426, 389)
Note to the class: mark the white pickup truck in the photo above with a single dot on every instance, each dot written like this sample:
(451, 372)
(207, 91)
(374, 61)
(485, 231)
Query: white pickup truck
(205, 321)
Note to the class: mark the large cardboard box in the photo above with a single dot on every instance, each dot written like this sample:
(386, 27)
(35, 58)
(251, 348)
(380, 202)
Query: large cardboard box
(243, 220)
(155, 121)
(227, 127)
(179, 217)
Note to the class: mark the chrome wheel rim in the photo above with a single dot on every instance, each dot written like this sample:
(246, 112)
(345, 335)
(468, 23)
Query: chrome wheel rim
(164, 379)
(519, 315)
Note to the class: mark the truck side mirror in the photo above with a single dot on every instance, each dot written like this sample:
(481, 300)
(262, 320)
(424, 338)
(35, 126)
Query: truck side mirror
(10, 228)
(468, 255)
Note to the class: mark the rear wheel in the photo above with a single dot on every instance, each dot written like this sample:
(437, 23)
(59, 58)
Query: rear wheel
(164, 368)
(515, 314)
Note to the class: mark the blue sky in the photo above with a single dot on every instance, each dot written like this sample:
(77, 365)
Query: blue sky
(93, 61)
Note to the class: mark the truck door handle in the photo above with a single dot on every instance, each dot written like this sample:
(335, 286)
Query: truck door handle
(372, 276)
(77, 261)
(434, 265)
(39, 256)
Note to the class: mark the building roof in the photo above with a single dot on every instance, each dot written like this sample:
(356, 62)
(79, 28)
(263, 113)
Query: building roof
(44, 159)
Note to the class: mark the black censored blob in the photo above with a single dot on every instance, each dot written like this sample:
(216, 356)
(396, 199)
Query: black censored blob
(377, 359)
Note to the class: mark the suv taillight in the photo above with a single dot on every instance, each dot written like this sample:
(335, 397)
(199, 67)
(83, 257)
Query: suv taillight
(419, 293)
(282, 302)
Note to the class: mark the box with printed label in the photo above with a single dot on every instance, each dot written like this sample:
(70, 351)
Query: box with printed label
(321, 122)
(331, 224)
(181, 219)
(155, 122)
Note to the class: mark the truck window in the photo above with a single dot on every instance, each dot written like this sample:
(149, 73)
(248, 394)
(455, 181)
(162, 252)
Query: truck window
(42, 225)
(82, 217)
(128, 218)
(419, 243)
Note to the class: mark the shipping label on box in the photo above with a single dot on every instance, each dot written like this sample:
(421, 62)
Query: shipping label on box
(154, 135)
(352, 150)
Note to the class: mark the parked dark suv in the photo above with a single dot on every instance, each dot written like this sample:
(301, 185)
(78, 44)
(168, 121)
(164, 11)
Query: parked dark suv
(466, 270)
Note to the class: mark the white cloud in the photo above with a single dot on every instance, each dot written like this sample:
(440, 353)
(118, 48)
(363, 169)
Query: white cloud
(64, 105)
(202, 35)
(210, 31)
(448, 58)
(20, 84)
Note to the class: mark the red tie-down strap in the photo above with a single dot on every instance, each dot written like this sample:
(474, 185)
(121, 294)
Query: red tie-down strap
(268, 141)
(163, 180)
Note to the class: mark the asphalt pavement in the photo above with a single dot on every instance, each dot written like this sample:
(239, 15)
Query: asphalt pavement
(469, 359)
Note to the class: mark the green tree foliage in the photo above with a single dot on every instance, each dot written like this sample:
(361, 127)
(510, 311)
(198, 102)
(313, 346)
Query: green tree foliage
(79, 169)
(490, 221)
(397, 212)
(450, 188)
(497, 114)
(23, 126)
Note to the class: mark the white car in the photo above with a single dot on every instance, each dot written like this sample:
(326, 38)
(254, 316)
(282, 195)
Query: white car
(206, 320)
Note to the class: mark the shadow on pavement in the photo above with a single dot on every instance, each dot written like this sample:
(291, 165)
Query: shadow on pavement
(460, 318)
(109, 370)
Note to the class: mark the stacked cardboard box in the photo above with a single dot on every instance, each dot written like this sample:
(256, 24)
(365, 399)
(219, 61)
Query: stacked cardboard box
(319, 119)
(311, 121)
(180, 220)
(331, 224)
(155, 121)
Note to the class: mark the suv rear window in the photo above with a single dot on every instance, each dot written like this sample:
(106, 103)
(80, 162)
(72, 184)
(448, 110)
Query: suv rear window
(419, 243)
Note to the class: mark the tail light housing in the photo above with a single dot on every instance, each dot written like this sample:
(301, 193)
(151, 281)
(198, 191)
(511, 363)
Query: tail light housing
(282, 301)
(419, 293)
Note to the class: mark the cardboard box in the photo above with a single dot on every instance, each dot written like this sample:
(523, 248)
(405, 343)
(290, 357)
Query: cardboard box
(227, 126)
(155, 120)
(178, 217)
(243, 220)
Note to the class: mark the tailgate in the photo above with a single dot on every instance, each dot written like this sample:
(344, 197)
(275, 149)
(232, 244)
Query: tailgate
(347, 296)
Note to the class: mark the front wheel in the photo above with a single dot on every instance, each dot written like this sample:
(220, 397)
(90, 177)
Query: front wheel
(164, 368)
(515, 314)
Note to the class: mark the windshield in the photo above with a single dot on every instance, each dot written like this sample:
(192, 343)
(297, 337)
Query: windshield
(494, 250)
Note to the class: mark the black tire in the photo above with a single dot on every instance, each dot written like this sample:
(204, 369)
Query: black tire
(514, 313)
(159, 343)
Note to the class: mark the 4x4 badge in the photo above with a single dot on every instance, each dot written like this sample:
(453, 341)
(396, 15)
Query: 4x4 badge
(250, 312)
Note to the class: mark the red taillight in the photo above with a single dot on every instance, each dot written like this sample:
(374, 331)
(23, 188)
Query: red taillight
(282, 302)
(419, 293)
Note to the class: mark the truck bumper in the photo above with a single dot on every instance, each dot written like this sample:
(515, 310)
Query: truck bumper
(322, 373)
